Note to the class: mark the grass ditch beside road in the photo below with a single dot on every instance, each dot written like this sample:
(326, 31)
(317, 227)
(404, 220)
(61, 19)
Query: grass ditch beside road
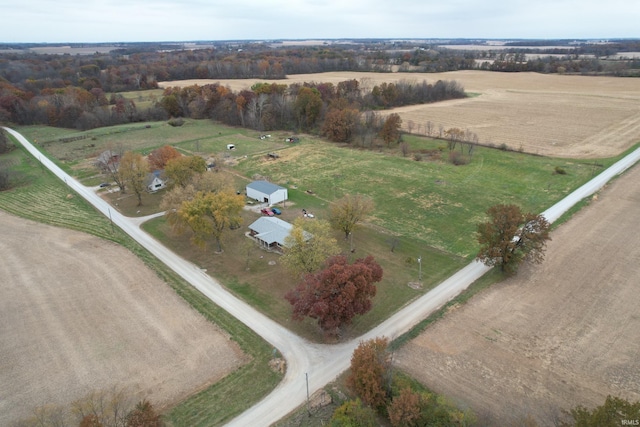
(42, 197)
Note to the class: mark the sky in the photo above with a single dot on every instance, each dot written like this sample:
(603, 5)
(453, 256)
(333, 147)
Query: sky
(77, 21)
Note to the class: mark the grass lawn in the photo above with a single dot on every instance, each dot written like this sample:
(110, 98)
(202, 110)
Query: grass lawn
(41, 197)
(432, 201)
(200, 137)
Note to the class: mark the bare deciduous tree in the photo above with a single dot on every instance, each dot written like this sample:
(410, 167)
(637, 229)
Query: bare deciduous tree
(109, 163)
(349, 211)
(428, 128)
(133, 172)
(410, 125)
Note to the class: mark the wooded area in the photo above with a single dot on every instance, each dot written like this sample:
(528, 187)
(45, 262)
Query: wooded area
(84, 91)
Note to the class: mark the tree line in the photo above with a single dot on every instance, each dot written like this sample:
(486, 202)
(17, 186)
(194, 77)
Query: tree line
(335, 111)
(340, 112)
(136, 68)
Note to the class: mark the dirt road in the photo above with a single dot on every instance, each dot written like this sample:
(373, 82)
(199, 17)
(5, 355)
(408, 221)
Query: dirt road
(80, 314)
(557, 335)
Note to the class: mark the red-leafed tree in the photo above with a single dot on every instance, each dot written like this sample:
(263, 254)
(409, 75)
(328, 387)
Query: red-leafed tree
(335, 295)
(370, 370)
(159, 157)
(91, 420)
(405, 408)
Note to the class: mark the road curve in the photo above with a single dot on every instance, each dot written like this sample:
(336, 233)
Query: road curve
(323, 363)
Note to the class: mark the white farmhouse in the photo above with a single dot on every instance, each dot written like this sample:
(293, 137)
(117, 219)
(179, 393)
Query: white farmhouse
(266, 192)
(154, 182)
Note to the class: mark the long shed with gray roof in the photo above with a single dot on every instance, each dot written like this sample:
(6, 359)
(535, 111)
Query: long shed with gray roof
(271, 232)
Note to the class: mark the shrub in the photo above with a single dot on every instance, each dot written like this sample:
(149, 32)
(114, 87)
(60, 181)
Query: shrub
(176, 122)
(559, 171)
(353, 413)
(417, 157)
(458, 158)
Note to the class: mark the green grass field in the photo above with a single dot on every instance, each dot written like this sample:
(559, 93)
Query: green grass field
(432, 201)
(195, 136)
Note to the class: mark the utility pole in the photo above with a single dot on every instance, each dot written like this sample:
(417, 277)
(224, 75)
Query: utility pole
(420, 268)
(306, 374)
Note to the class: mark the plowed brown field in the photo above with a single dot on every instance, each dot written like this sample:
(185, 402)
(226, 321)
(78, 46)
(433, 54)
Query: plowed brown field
(557, 335)
(80, 314)
(548, 114)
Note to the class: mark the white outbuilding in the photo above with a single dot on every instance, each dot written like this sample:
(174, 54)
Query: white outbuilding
(266, 192)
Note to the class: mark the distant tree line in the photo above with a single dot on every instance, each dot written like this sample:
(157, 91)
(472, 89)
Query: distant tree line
(142, 66)
(127, 70)
(71, 107)
(83, 91)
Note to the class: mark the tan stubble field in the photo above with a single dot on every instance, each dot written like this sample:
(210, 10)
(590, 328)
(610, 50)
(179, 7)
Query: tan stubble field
(80, 314)
(547, 114)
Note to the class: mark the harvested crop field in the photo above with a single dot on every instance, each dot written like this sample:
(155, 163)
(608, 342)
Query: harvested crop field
(547, 114)
(560, 334)
(80, 314)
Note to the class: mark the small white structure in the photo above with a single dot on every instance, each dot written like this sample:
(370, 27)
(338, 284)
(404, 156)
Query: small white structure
(154, 182)
(266, 192)
(231, 147)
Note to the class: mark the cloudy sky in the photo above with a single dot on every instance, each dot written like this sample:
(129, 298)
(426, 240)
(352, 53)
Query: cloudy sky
(55, 21)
